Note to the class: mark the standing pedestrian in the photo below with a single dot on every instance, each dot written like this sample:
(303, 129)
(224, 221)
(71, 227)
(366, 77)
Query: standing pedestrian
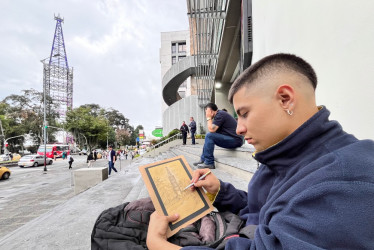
(184, 129)
(54, 155)
(192, 126)
(95, 155)
(70, 160)
(90, 159)
(111, 159)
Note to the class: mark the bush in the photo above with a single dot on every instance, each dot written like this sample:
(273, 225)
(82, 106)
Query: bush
(199, 136)
(173, 132)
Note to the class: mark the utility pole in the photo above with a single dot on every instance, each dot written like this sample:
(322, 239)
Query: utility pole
(45, 126)
(2, 134)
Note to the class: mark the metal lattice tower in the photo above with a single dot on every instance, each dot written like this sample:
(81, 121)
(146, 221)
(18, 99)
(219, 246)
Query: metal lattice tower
(57, 76)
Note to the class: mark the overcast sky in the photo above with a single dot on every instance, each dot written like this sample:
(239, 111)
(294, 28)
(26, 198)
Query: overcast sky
(113, 46)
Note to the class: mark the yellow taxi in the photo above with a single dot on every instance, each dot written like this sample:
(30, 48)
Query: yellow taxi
(4, 173)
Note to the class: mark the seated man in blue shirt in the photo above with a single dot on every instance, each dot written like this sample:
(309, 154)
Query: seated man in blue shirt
(222, 132)
(314, 187)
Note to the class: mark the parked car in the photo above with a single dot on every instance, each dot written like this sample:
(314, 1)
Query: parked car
(83, 152)
(25, 152)
(5, 157)
(4, 173)
(33, 160)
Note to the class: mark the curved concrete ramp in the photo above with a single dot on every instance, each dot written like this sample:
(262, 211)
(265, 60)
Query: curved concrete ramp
(174, 77)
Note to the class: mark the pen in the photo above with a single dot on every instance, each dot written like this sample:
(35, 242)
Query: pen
(201, 177)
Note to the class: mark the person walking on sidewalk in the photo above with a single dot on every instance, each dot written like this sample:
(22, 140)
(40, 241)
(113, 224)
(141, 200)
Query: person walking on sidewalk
(192, 126)
(222, 132)
(111, 159)
(184, 129)
(90, 159)
(95, 155)
(70, 161)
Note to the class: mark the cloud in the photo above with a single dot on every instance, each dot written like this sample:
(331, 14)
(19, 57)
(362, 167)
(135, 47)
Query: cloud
(113, 46)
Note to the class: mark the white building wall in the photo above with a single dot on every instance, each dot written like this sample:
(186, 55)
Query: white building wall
(167, 38)
(181, 111)
(337, 38)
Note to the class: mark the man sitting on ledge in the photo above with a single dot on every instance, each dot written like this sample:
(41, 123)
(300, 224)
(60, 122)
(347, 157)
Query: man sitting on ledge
(222, 128)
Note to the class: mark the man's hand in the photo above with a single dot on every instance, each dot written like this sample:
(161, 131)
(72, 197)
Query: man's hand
(209, 113)
(210, 182)
(156, 237)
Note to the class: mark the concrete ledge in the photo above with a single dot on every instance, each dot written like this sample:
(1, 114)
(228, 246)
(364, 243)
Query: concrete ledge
(85, 178)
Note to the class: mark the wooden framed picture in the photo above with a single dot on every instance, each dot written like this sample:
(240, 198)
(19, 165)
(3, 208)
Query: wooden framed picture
(165, 181)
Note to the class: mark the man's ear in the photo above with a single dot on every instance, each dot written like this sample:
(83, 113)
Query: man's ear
(286, 96)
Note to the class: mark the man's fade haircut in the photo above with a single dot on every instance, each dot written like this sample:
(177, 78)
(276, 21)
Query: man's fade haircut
(212, 106)
(273, 62)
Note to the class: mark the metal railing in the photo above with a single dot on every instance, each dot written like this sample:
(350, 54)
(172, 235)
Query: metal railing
(162, 143)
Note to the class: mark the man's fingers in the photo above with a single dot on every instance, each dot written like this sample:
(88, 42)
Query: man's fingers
(172, 217)
(197, 173)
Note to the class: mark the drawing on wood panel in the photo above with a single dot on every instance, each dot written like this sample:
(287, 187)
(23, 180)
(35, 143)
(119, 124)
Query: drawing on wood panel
(165, 181)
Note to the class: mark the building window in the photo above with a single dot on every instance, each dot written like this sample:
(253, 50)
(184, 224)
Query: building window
(173, 60)
(182, 47)
(173, 48)
(181, 57)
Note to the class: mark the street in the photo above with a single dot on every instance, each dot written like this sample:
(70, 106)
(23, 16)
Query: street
(30, 192)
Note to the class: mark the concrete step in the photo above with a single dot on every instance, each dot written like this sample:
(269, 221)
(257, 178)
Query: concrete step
(143, 192)
(242, 168)
(135, 191)
(244, 152)
(239, 180)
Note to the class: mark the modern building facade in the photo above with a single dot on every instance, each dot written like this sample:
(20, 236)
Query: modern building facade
(179, 89)
(226, 36)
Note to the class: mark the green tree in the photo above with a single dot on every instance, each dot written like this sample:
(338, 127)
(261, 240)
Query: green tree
(23, 114)
(87, 127)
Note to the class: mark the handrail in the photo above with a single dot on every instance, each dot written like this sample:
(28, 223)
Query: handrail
(174, 137)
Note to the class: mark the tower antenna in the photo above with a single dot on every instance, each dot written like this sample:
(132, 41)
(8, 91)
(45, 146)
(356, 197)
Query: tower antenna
(57, 76)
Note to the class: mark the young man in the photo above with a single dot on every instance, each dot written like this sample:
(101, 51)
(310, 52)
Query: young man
(111, 159)
(315, 185)
(192, 126)
(221, 126)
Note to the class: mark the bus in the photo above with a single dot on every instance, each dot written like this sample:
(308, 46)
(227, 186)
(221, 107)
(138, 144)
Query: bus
(52, 148)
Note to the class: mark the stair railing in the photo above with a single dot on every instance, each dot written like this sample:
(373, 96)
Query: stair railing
(166, 141)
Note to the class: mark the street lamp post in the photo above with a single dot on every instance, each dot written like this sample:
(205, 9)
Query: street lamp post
(44, 116)
(2, 133)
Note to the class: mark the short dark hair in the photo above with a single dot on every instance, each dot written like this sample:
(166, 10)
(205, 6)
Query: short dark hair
(270, 63)
(212, 106)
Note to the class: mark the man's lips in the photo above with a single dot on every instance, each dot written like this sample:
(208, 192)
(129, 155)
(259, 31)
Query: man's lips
(249, 140)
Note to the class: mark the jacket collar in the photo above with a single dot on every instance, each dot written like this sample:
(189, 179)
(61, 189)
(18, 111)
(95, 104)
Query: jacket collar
(291, 149)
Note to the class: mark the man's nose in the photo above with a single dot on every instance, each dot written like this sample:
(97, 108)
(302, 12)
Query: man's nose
(240, 128)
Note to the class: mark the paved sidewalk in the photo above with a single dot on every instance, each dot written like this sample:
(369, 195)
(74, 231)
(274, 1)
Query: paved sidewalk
(69, 225)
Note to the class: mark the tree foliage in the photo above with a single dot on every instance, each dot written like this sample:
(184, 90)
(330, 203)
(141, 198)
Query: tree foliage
(91, 125)
(23, 114)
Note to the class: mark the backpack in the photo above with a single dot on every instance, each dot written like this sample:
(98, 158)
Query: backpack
(71, 159)
(125, 227)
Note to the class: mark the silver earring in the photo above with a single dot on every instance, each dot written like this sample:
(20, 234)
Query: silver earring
(290, 112)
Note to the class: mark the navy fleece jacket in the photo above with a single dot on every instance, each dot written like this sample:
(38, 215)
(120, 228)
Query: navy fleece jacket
(314, 190)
